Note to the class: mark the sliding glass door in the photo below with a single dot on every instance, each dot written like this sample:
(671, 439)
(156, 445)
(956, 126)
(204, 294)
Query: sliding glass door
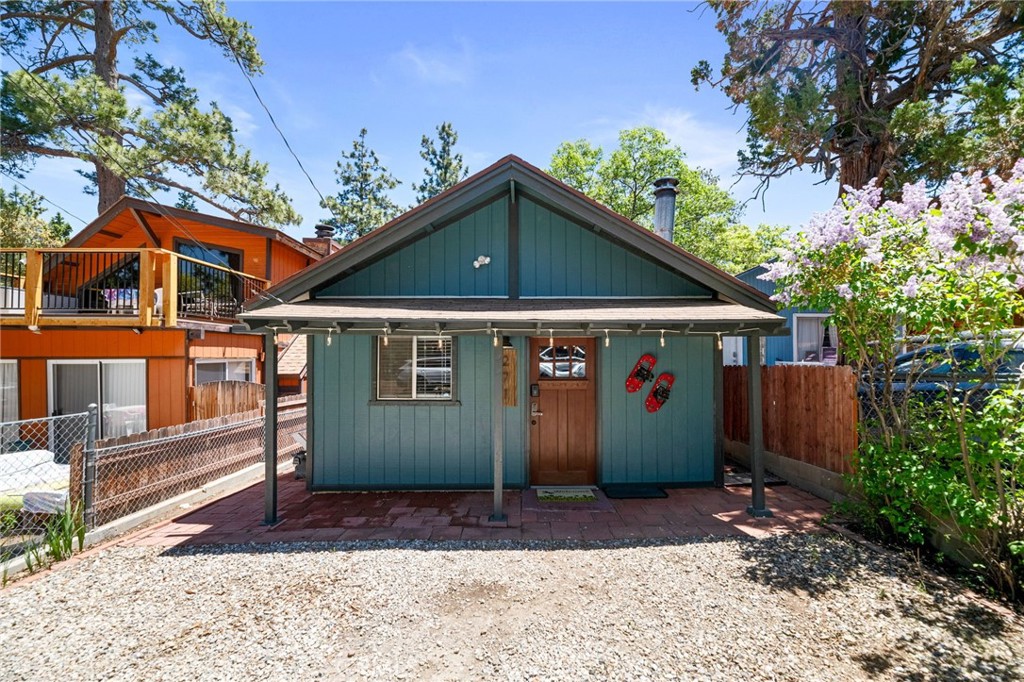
(118, 387)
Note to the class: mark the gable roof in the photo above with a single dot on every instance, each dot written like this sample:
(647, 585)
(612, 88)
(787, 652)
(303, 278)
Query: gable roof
(512, 174)
(173, 214)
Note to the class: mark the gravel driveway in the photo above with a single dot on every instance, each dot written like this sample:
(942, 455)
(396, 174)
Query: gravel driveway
(796, 607)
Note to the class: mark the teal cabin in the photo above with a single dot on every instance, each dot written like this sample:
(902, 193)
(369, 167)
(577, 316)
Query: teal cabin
(484, 340)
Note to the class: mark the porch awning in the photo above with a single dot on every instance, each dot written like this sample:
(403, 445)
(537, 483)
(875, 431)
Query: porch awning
(484, 315)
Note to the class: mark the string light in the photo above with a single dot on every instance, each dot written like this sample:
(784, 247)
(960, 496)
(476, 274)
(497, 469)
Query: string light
(440, 343)
(662, 338)
(386, 332)
(495, 338)
(551, 337)
(607, 339)
(329, 332)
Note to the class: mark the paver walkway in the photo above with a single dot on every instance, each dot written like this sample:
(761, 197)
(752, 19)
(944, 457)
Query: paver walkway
(305, 516)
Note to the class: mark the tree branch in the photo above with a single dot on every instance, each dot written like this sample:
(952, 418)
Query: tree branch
(35, 16)
(57, 63)
(156, 97)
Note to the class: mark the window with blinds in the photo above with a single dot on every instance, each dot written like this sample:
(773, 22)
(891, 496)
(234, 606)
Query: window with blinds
(414, 368)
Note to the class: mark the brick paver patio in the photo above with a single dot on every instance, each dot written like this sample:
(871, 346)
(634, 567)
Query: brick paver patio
(304, 516)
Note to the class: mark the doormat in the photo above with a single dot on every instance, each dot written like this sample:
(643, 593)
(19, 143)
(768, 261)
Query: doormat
(566, 495)
(634, 492)
(532, 502)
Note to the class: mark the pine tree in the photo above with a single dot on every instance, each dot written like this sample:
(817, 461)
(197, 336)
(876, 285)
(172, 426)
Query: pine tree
(362, 205)
(73, 69)
(444, 167)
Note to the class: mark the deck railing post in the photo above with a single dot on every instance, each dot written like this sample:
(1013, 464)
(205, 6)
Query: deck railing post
(89, 479)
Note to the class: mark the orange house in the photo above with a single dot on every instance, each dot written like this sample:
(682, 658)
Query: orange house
(133, 311)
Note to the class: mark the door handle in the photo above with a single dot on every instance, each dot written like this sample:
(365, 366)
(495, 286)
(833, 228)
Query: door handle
(534, 412)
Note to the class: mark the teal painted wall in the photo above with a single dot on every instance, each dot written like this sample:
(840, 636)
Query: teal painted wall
(359, 445)
(441, 264)
(674, 444)
(560, 258)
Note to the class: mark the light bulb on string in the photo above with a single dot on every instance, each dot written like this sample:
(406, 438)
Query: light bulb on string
(662, 338)
(607, 339)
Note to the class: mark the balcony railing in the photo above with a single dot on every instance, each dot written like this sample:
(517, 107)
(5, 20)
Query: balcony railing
(117, 287)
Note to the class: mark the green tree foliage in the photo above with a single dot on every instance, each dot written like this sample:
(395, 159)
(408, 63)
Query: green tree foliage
(22, 224)
(706, 215)
(362, 205)
(71, 100)
(898, 91)
(444, 167)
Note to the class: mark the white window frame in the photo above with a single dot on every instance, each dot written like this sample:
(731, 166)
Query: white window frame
(98, 363)
(17, 390)
(224, 361)
(414, 394)
(796, 328)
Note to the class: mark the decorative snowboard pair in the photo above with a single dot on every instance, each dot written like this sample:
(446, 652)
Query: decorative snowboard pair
(643, 372)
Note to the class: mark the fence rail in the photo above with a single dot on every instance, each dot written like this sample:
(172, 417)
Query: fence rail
(809, 412)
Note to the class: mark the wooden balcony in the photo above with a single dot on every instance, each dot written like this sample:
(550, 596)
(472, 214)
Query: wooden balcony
(117, 288)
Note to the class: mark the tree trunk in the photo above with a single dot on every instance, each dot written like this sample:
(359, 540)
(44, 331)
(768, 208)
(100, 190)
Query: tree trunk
(109, 180)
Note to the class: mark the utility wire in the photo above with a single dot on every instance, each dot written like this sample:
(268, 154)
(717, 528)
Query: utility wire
(49, 201)
(273, 122)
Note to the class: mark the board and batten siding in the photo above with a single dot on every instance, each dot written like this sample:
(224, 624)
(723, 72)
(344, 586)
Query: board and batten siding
(776, 348)
(440, 264)
(674, 444)
(560, 258)
(357, 444)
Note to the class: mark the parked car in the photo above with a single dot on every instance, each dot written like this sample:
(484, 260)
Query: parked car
(433, 374)
(560, 361)
(930, 372)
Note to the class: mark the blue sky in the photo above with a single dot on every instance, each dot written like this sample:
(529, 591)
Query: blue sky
(513, 78)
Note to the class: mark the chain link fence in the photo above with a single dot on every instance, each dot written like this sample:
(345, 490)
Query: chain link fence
(134, 472)
(36, 475)
(48, 466)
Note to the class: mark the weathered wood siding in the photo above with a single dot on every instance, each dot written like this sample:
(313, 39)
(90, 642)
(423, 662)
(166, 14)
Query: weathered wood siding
(441, 264)
(358, 444)
(558, 257)
(674, 444)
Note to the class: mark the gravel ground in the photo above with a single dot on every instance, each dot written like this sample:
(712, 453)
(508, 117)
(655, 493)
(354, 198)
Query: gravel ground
(810, 607)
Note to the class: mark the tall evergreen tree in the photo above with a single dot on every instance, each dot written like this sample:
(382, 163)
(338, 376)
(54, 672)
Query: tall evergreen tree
(444, 167)
(83, 60)
(362, 205)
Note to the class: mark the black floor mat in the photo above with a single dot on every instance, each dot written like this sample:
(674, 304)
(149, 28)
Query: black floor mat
(633, 492)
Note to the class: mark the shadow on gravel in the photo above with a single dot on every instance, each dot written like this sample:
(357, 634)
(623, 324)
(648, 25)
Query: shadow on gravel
(812, 566)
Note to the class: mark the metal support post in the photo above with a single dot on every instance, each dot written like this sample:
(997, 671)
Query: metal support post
(270, 430)
(89, 479)
(754, 399)
(498, 431)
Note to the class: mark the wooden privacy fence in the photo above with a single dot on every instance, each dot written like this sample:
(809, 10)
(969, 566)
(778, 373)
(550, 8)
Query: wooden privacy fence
(809, 412)
(221, 398)
(138, 471)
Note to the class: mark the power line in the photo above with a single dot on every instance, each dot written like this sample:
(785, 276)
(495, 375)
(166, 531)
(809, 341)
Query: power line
(273, 122)
(49, 201)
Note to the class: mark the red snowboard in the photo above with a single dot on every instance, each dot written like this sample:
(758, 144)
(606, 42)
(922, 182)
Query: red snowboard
(642, 371)
(659, 394)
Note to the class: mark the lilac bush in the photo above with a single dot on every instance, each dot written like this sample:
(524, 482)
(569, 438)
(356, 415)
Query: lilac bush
(928, 270)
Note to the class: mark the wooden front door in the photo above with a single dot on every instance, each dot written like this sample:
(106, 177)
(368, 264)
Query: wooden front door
(563, 416)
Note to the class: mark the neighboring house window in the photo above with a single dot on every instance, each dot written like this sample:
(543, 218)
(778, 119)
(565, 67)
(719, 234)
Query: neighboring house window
(208, 371)
(809, 332)
(8, 390)
(414, 368)
(118, 387)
